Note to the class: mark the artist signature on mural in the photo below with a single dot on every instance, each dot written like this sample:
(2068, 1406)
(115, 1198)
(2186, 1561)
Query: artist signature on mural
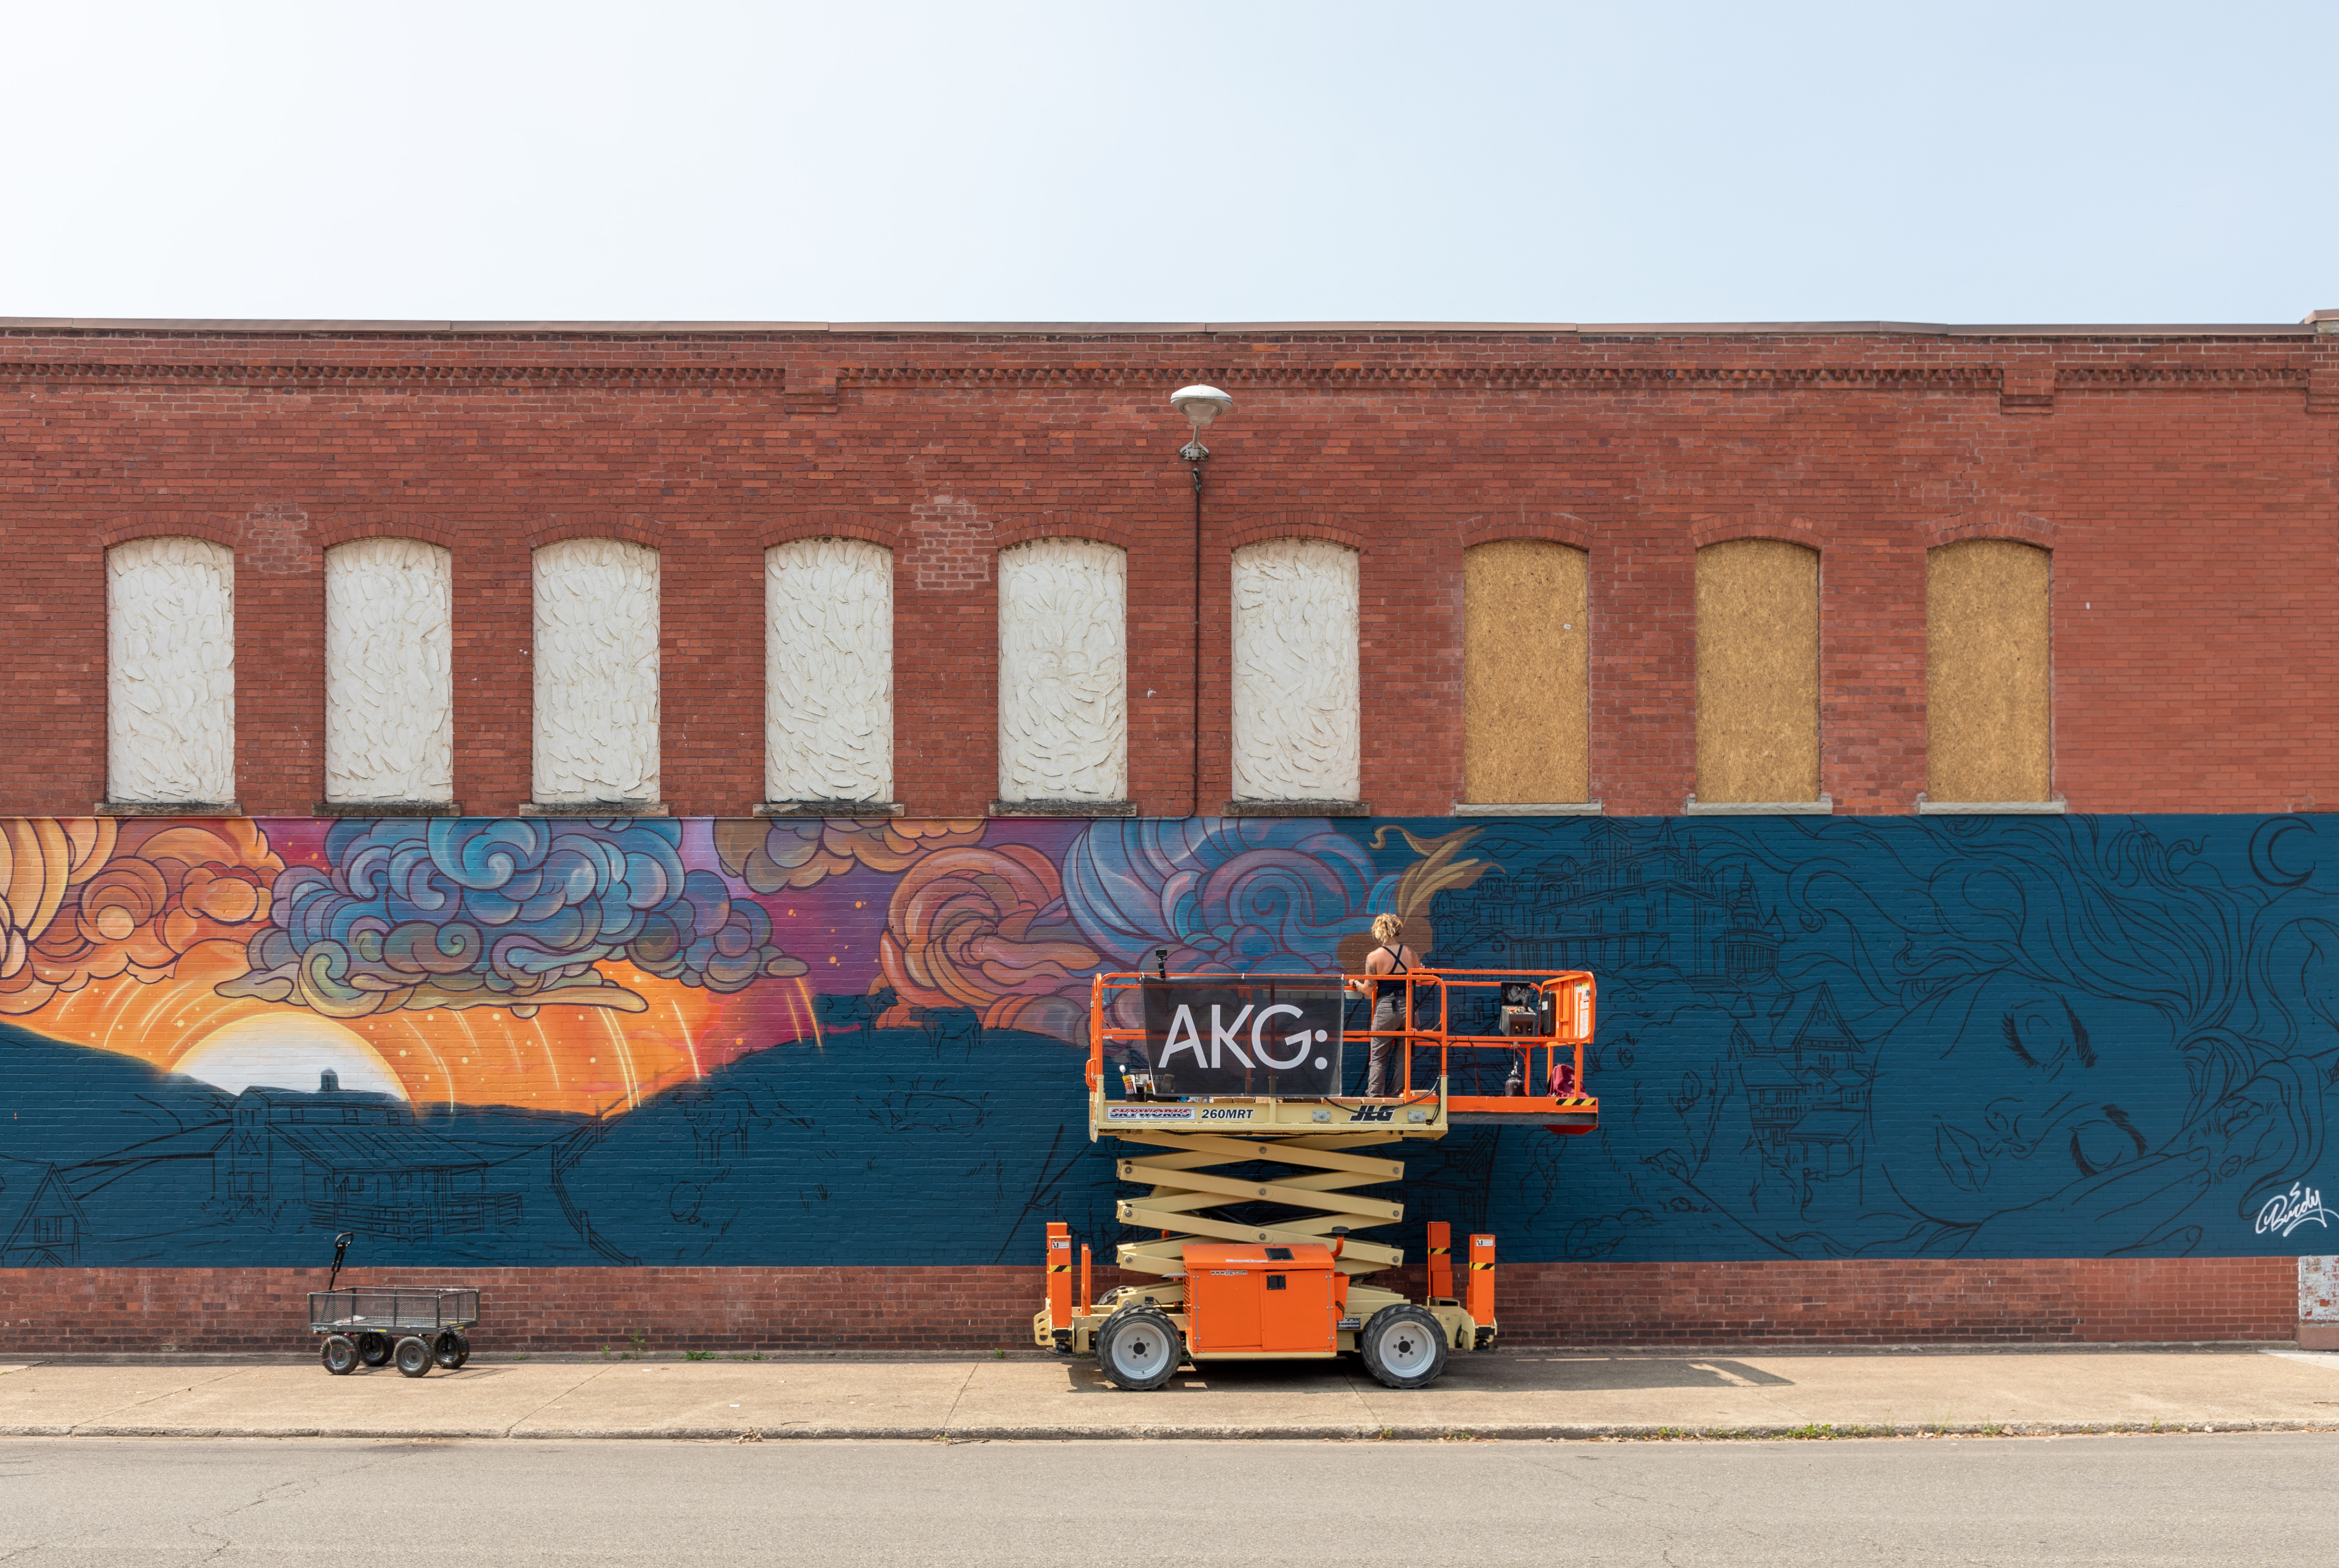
(2286, 1211)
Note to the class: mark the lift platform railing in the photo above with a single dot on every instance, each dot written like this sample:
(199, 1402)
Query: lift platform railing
(1532, 1062)
(1543, 1063)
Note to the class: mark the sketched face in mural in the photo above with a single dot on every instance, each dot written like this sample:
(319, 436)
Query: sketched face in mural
(2126, 1022)
(2006, 1089)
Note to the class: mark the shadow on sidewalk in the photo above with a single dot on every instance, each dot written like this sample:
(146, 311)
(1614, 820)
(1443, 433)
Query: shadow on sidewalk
(1493, 1375)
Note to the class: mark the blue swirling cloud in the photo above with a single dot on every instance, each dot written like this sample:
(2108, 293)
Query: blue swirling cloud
(500, 913)
(1225, 895)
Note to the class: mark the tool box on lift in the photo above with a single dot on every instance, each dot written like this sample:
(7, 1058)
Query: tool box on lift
(1260, 1300)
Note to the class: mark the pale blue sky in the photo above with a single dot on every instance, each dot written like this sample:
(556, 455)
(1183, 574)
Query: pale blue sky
(1976, 162)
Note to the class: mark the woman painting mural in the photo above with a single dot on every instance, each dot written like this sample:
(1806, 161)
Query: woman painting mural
(1392, 957)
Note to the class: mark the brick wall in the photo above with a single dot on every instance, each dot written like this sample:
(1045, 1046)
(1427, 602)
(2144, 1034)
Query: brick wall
(2185, 484)
(100, 1311)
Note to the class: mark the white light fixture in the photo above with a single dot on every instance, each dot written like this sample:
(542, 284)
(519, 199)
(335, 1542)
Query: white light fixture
(1201, 405)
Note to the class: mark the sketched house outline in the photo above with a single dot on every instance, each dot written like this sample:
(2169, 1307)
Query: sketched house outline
(40, 1223)
(358, 1161)
(1807, 1079)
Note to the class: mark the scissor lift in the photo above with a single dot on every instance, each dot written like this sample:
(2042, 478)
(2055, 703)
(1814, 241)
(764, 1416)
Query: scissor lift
(1279, 1279)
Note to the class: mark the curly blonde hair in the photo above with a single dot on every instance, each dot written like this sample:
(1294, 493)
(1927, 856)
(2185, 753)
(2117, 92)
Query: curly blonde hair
(1387, 928)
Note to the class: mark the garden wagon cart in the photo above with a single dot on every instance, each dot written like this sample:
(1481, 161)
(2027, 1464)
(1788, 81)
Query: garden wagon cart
(415, 1326)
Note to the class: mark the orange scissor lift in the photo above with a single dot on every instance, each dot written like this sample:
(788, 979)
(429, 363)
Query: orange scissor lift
(1280, 1276)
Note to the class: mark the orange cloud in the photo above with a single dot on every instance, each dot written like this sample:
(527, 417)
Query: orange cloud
(93, 898)
(984, 929)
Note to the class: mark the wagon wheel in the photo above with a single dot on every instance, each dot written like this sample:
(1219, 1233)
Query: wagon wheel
(414, 1356)
(373, 1348)
(451, 1349)
(339, 1355)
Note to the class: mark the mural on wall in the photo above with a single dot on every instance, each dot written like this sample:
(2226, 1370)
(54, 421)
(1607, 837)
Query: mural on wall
(579, 1041)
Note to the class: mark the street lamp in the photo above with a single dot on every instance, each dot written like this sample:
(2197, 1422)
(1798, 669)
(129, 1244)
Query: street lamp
(1201, 405)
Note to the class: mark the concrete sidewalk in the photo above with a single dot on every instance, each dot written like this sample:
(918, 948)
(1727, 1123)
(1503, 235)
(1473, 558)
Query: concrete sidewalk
(1521, 1394)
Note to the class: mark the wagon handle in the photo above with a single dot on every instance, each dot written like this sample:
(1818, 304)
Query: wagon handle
(340, 1250)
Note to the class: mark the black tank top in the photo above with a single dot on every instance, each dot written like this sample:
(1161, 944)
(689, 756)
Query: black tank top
(1391, 992)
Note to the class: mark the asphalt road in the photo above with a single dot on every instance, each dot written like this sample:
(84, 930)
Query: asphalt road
(2200, 1501)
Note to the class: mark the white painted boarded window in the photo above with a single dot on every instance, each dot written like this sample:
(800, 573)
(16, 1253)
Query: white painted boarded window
(170, 683)
(828, 671)
(597, 673)
(390, 692)
(1295, 671)
(1064, 671)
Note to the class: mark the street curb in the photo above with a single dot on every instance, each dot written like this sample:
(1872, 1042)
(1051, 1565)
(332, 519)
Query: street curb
(1637, 1350)
(1514, 1432)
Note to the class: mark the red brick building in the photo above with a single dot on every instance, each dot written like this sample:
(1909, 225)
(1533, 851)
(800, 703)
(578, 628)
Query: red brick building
(2183, 478)
(2184, 481)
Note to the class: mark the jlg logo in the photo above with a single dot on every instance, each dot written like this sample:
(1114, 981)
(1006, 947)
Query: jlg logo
(1372, 1113)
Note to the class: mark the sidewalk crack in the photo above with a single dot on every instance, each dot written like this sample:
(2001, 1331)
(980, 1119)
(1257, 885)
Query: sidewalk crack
(520, 1421)
(112, 1410)
(972, 1368)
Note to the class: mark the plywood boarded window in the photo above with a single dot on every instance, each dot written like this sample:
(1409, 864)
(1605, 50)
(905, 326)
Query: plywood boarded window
(1525, 729)
(1985, 672)
(1758, 672)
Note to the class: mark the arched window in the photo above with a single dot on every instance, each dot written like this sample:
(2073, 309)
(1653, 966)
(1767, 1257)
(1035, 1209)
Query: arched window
(390, 692)
(597, 674)
(1296, 728)
(1758, 675)
(1987, 696)
(170, 681)
(1525, 674)
(828, 671)
(1063, 677)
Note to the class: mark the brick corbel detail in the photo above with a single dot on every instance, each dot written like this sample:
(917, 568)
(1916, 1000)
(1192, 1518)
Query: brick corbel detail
(1987, 524)
(2026, 390)
(1721, 527)
(632, 526)
(1560, 527)
(158, 524)
(809, 390)
(1061, 526)
(1258, 526)
(2322, 385)
(839, 525)
(343, 528)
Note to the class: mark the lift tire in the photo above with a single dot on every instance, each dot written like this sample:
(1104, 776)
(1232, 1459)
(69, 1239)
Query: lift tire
(1139, 1348)
(373, 1349)
(339, 1355)
(1403, 1347)
(414, 1356)
(451, 1349)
